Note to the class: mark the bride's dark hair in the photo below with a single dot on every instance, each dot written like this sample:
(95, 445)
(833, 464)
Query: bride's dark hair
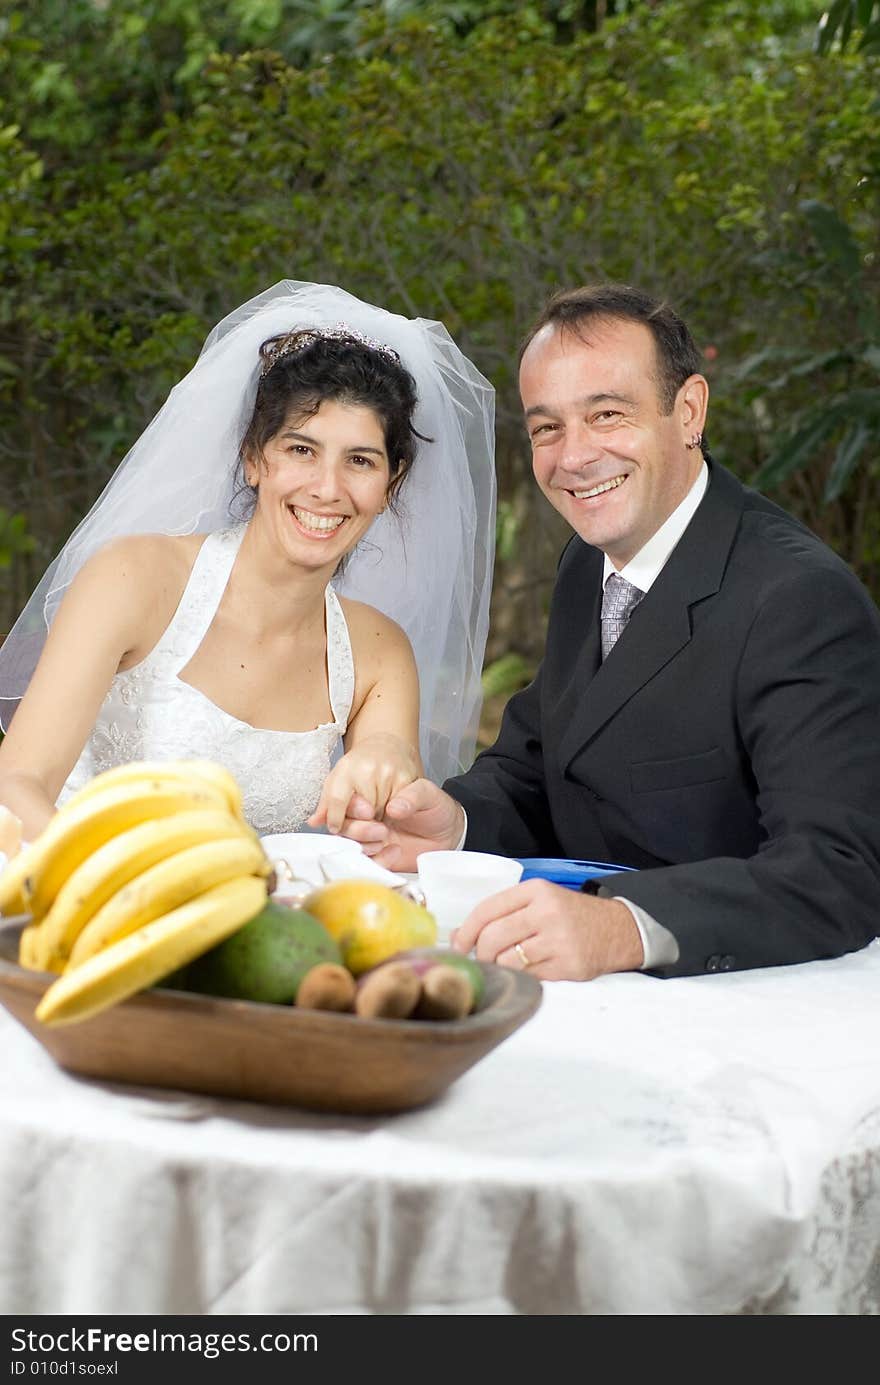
(302, 370)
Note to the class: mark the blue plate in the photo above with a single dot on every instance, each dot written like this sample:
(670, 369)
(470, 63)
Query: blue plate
(561, 871)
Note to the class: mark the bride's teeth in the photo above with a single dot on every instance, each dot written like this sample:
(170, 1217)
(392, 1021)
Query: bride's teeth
(597, 490)
(323, 522)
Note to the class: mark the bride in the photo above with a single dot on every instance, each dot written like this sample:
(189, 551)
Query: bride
(289, 573)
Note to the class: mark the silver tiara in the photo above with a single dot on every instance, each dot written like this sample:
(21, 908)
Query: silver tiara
(301, 337)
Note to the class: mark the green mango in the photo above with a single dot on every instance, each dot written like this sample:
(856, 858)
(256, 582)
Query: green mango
(266, 959)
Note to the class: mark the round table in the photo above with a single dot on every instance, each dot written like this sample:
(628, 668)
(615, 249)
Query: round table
(708, 1145)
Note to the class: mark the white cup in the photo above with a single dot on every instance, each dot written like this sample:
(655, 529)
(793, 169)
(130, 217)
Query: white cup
(455, 882)
(303, 852)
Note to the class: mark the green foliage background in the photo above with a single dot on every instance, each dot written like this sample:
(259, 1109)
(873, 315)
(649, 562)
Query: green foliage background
(163, 160)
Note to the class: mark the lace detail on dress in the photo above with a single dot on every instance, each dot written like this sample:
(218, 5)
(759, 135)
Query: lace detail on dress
(149, 713)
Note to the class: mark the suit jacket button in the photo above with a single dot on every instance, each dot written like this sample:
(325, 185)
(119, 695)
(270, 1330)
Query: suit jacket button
(727, 962)
(713, 963)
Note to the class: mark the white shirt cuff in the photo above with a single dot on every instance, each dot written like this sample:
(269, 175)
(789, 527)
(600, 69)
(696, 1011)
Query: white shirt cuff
(460, 846)
(661, 946)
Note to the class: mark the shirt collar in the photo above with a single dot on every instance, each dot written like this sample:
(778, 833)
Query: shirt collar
(644, 569)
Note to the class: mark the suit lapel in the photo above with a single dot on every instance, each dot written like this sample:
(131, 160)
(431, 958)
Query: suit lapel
(660, 625)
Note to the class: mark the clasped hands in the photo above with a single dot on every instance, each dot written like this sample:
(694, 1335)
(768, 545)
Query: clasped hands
(367, 775)
(559, 934)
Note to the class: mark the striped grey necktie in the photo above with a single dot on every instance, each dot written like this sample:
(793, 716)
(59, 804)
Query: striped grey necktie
(619, 600)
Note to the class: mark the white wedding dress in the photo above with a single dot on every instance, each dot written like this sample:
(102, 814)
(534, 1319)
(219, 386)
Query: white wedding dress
(150, 713)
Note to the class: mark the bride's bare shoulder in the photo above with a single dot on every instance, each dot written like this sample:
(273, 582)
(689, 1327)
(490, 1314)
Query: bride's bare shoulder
(154, 559)
(366, 623)
(137, 582)
(375, 637)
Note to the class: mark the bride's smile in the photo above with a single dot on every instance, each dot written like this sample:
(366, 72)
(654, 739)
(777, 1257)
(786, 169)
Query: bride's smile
(316, 524)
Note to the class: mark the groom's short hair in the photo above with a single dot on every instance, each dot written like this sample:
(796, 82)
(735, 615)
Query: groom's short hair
(675, 351)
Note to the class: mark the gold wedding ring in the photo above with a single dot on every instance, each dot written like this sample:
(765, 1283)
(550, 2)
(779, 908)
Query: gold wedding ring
(521, 954)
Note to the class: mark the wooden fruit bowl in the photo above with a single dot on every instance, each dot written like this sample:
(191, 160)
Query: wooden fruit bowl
(274, 1053)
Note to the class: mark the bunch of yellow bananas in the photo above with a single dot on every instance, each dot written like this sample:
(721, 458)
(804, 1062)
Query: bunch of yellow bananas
(139, 872)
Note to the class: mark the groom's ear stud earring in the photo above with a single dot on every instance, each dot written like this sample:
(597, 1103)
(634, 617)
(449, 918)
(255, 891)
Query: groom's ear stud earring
(694, 442)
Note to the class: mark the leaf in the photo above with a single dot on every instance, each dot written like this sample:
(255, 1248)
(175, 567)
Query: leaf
(829, 24)
(848, 452)
(766, 356)
(506, 531)
(506, 675)
(14, 538)
(833, 237)
(860, 407)
(870, 40)
(862, 402)
(794, 451)
(801, 365)
(809, 365)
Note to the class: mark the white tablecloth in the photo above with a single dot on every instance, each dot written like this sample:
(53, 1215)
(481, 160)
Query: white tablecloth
(698, 1146)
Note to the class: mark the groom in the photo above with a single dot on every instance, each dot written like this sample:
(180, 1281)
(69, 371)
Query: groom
(708, 707)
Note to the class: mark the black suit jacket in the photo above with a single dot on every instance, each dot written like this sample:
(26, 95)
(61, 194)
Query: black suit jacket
(729, 747)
